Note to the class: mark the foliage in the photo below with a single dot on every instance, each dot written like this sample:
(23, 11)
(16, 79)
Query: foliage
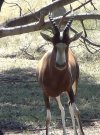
(21, 98)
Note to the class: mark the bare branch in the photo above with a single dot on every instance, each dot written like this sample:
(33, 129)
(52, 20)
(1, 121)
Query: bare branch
(79, 17)
(33, 17)
(15, 4)
(41, 20)
(76, 17)
(68, 12)
(33, 13)
(88, 43)
(31, 57)
(93, 6)
(19, 29)
(84, 28)
(20, 9)
(86, 39)
(13, 27)
(28, 4)
(88, 46)
(42, 24)
(84, 5)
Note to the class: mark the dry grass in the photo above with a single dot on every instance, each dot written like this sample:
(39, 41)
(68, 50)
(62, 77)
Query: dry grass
(21, 101)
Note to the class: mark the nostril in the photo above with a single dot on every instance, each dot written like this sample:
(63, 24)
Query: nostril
(61, 65)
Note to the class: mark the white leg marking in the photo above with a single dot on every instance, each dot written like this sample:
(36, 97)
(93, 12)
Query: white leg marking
(72, 110)
(77, 115)
(48, 119)
(48, 115)
(62, 113)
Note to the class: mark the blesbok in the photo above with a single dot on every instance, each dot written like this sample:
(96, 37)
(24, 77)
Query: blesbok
(58, 72)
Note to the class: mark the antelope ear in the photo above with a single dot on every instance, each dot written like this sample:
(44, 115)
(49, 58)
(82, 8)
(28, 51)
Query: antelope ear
(46, 37)
(76, 36)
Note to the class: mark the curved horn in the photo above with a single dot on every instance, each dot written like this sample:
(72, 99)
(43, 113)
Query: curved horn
(55, 28)
(68, 25)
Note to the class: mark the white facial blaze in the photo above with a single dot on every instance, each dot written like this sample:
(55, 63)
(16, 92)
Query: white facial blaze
(61, 56)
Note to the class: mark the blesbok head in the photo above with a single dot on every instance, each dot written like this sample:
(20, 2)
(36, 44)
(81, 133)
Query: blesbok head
(61, 41)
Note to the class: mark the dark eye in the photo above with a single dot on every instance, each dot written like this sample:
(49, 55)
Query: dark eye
(56, 40)
(66, 40)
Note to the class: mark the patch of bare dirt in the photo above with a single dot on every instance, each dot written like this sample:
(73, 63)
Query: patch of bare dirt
(92, 128)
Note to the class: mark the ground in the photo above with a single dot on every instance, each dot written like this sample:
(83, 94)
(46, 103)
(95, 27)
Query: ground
(22, 110)
(92, 128)
(22, 107)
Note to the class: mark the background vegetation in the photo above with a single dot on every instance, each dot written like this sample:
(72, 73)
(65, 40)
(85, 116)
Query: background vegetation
(21, 101)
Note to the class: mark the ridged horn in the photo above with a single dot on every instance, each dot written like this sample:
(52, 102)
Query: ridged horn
(68, 25)
(55, 28)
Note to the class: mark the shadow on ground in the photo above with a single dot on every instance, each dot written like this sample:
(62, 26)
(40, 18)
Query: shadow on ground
(22, 105)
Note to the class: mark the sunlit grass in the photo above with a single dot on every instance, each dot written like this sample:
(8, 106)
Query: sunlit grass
(8, 64)
(21, 96)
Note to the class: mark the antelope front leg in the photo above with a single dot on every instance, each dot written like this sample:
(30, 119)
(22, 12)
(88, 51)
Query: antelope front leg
(71, 110)
(74, 113)
(62, 114)
(70, 95)
(48, 117)
(77, 115)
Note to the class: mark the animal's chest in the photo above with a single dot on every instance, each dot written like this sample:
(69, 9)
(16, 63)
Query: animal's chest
(56, 84)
